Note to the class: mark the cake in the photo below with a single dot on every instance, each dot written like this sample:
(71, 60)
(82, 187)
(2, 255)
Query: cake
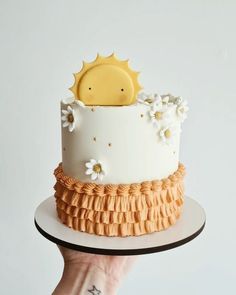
(120, 173)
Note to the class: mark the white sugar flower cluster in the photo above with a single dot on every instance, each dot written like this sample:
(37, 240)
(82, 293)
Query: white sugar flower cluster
(161, 110)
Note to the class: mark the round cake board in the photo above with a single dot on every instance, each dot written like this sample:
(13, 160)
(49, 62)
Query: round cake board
(188, 227)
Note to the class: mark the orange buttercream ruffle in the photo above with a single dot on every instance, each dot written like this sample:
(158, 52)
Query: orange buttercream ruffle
(115, 229)
(152, 213)
(119, 210)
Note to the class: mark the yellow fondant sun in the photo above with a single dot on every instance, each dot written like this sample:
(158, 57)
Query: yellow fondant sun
(106, 81)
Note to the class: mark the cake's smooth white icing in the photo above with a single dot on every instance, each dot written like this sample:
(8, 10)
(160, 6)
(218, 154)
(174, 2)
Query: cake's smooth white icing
(124, 139)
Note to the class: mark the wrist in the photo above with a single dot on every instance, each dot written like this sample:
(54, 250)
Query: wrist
(84, 277)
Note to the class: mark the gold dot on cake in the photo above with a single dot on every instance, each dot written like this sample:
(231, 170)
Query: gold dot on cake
(141, 115)
(92, 109)
(94, 139)
(174, 152)
(109, 144)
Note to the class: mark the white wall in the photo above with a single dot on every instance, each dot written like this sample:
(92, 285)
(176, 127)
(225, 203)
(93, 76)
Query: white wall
(185, 47)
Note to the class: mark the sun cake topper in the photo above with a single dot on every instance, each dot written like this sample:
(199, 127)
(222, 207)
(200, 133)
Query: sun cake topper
(106, 81)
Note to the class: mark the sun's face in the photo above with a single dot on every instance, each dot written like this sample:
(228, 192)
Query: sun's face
(106, 81)
(106, 84)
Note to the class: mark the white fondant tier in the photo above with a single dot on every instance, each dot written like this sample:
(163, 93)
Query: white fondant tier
(123, 139)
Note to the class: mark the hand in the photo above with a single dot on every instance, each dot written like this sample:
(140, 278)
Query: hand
(102, 273)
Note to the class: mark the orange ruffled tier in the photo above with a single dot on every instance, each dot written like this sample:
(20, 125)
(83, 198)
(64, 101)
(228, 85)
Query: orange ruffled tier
(122, 209)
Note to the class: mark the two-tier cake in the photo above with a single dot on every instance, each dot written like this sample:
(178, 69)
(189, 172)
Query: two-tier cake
(120, 173)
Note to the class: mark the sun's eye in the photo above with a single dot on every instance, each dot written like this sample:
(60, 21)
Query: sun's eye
(122, 89)
(89, 88)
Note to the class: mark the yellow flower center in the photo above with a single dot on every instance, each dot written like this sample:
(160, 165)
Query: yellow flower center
(148, 100)
(167, 133)
(70, 118)
(97, 168)
(158, 115)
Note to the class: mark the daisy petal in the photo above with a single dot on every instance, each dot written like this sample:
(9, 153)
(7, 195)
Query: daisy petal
(151, 113)
(162, 132)
(63, 118)
(94, 176)
(64, 112)
(69, 109)
(68, 100)
(89, 171)
(65, 124)
(80, 103)
(93, 162)
(71, 126)
(89, 165)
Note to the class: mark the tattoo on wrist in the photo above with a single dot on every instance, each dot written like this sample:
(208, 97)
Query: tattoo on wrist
(94, 291)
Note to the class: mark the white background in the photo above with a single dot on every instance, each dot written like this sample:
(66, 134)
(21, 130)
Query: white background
(184, 47)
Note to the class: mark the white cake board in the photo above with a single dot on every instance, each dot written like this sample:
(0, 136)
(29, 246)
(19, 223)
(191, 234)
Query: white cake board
(188, 227)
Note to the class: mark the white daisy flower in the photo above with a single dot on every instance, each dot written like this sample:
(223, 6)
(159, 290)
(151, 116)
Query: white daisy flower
(71, 100)
(148, 99)
(94, 169)
(157, 98)
(178, 100)
(167, 99)
(167, 133)
(182, 109)
(68, 118)
(159, 113)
